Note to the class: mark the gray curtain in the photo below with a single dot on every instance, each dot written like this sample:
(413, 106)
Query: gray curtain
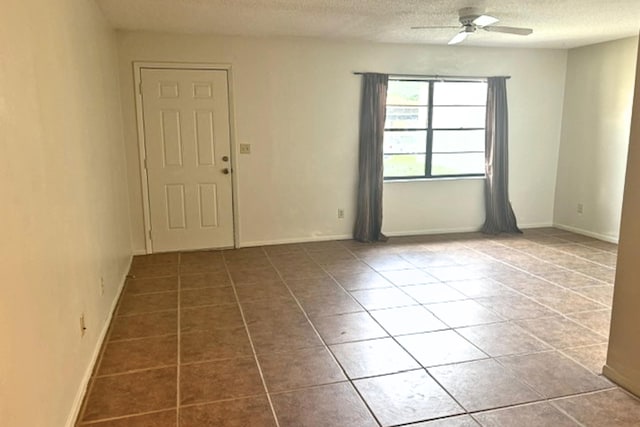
(499, 214)
(368, 226)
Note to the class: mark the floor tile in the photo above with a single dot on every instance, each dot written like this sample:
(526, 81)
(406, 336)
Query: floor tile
(155, 270)
(463, 313)
(218, 380)
(147, 303)
(592, 357)
(351, 266)
(502, 339)
(598, 321)
(406, 397)
(375, 357)
(334, 405)
(299, 272)
(459, 421)
(532, 415)
(567, 301)
(366, 280)
(386, 262)
(326, 305)
(144, 325)
(155, 419)
(269, 309)
(433, 293)
(348, 327)
(314, 286)
(409, 277)
(553, 375)
(439, 348)
(129, 394)
(299, 369)
(201, 257)
(205, 280)
(154, 259)
(603, 409)
(262, 291)
(210, 317)
(603, 294)
(373, 299)
(513, 307)
(407, 320)
(469, 382)
(149, 286)
(200, 268)
(214, 344)
(254, 275)
(561, 333)
(477, 288)
(251, 411)
(144, 353)
(571, 279)
(279, 336)
(451, 273)
(207, 296)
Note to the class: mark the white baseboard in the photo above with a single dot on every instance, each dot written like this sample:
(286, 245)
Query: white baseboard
(430, 231)
(77, 404)
(605, 237)
(306, 239)
(621, 380)
(139, 252)
(535, 225)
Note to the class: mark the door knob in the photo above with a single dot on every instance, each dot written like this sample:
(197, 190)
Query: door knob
(226, 171)
(225, 158)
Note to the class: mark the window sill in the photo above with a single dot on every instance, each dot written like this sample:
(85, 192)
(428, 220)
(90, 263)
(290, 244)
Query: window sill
(448, 178)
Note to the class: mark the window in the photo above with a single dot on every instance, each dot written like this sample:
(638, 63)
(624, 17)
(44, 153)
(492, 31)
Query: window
(434, 129)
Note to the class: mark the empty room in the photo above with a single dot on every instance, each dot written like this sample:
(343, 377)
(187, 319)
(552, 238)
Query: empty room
(319, 213)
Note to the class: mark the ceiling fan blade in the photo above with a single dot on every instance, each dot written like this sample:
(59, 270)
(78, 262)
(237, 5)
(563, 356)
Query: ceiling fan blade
(485, 20)
(458, 38)
(509, 30)
(435, 27)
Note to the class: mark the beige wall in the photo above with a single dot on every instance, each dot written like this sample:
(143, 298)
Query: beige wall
(623, 358)
(595, 137)
(296, 102)
(64, 211)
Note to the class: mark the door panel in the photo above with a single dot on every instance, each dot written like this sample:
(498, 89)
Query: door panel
(187, 135)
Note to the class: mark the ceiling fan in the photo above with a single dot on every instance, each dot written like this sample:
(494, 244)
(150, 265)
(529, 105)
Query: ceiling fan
(471, 19)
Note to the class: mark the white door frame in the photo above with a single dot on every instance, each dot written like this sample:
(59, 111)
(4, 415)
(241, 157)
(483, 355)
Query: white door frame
(137, 78)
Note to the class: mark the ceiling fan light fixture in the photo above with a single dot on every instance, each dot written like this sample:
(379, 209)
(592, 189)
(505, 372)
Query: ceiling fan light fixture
(484, 20)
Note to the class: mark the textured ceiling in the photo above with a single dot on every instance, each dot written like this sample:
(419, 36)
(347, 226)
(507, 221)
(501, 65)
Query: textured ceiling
(556, 23)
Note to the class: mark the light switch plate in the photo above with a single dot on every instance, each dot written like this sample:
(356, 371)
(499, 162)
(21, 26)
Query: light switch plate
(245, 148)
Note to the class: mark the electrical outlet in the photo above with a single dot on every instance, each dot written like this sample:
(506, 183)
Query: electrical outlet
(83, 325)
(340, 213)
(101, 286)
(580, 208)
(245, 148)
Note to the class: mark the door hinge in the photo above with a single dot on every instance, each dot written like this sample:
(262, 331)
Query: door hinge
(150, 236)
(140, 88)
(145, 163)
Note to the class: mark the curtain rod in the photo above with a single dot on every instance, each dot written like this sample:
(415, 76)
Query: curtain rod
(436, 76)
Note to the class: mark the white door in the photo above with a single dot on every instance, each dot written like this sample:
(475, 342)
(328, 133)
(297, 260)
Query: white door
(187, 144)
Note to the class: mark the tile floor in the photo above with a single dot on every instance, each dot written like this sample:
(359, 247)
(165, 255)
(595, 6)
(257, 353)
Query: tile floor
(430, 331)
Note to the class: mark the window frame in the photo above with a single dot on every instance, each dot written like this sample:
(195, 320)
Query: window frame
(428, 175)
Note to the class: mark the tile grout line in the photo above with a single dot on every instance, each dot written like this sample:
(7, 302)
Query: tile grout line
(522, 270)
(422, 368)
(253, 348)
(310, 322)
(107, 340)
